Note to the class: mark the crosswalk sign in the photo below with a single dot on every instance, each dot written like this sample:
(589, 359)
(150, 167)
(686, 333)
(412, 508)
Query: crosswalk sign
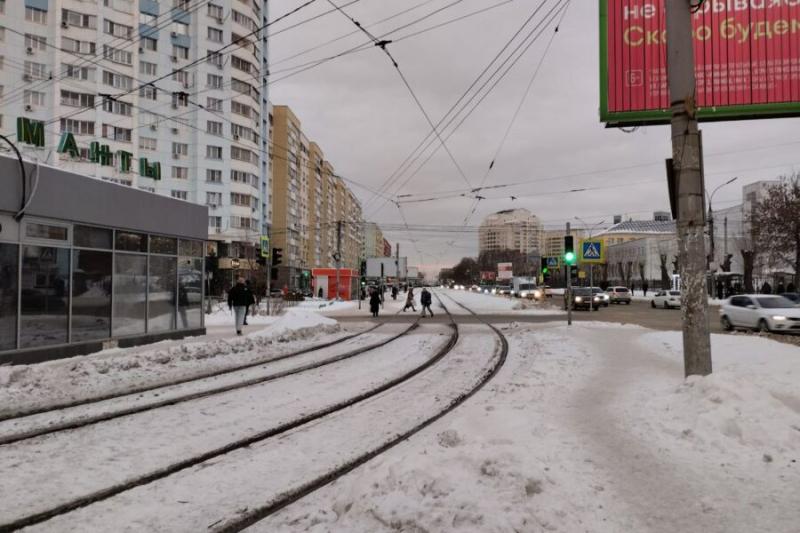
(592, 252)
(552, 262)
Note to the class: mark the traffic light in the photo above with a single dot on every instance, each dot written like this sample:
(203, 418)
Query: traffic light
(261, 261)
(569, 250)
(363, 269)
(545, 268)
(276, 256)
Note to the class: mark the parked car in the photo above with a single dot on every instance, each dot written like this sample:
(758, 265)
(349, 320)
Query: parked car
(793, 296)
(666, 299)
(502, 290)
(605, 299)
(619, 295)
(583, 298)
(760, 312)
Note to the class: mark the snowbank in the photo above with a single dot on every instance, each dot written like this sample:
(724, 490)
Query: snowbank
(489, 303)
(113, 371)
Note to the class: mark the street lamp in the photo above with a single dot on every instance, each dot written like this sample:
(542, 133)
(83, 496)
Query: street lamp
(591, 265)
(712, 255)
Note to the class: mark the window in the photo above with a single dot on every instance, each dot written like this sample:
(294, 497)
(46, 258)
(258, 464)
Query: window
(214, 34)
(214, 128)
(242, 109)
(190, 286)
(244, 88)
(147, 143)
(180, 195)
(77, 47)
(148, 91)
(117, 30)
(77, 127)
(147, 18)
(117, 56)
(91, 293)
(241, 132)
(78, 73)
(2, 34)
(163, 245)
(8, 293)
(244, 20)
(213, 104)
(214, 58)
(73, 18)
(179, 28)
(76, 99)
(214, 81)
(35, 15)
(181, 52)
(148, 43)
(151, 69)
(214, 198)
(45, 303)
(180, 148)
(241, 199)
(3, 6)
(241, 64)
(34, 98)
(118, 81)
(130, 293)
(37, 71)
(46, 231)
(239, 176)
(213, 176)
(180, 173)
(214, 152)
(182, 77)
(181, 4)
(214, 11)
(215, 222)
(241, 154)
(116, 133)
(117, 107)
(35, 42)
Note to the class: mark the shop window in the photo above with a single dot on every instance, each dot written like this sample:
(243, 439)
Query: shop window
(46, 231)
(130, 293)
(163, 245)
(8, 296)
(131, 242)
(161, 300)
(190, 291)
(89, 237)
(45, 296)
(91, 295)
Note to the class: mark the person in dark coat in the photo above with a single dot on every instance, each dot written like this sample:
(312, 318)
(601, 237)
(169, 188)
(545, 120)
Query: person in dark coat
(394, 292)
(645, 286)
(239, 297)
(781, 289)
(410, 300)
(766, 288)
(375, 303)
(252, 300)
(425, 300)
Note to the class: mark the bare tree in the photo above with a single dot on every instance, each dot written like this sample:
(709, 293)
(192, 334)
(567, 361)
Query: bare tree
(775, 223)
(664, 271)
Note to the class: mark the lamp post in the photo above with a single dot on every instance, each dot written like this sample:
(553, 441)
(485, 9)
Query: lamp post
(591, 265)
(712, 255)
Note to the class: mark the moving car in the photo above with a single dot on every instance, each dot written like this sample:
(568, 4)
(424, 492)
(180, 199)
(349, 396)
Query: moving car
(793, 296)
(666, 299)
(760, 312)
(502, 290)
(583, 298)
(619, 295)
(605, 299)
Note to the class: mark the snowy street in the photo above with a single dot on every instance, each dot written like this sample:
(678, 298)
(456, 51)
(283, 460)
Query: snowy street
(415, 426)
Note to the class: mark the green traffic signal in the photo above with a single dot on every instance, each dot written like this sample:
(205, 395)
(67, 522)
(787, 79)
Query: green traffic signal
(545, 270)
(569, 258)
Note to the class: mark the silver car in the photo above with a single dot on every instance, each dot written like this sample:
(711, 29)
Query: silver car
(619, 295)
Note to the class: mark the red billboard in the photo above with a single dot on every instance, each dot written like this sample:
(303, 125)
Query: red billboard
(747, 60)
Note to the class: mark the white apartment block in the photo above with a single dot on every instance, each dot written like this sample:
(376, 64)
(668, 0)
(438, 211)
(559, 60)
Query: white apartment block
(147, 77)
(512, 229)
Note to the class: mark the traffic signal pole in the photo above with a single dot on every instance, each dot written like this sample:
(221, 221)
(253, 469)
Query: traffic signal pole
(268, 265)
(687, 163)
(568, 272)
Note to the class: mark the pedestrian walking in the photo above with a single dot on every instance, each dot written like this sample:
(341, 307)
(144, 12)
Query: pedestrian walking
(766, 288)
(251, 300)
(410, 300)
(425, 300)
(394, 292)
(645, 286)
(375, 303)
(238, 300)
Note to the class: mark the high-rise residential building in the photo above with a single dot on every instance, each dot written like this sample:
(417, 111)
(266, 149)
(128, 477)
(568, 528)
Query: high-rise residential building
(511, 230)
(553, 240)
(175, 88)
(373, 241)
(314, 214)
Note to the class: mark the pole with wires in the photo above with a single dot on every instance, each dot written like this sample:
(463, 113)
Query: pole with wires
(687, 161)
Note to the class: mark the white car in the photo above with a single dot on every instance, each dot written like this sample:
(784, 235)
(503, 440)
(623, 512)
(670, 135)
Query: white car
(666, 299)
(761, 312)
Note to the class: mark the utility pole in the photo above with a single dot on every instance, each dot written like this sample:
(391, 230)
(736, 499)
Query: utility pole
(568, 273)
(725, 239)
(269, 281)
(338, 257)
(397, 263)
(687, 160)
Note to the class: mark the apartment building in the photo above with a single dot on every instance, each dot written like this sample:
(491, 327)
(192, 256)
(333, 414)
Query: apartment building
(314, 213)
(146, 80)
(510, 230)
(374, 241)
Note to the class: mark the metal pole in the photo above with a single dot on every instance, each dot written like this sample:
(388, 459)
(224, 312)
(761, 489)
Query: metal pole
(338, 257)
(269, 283)
(687, 161)
(725, 239)
(568, 273)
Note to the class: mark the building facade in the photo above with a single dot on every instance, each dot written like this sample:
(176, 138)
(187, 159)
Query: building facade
(314, 213)
(145, 78)
(373, 241)
(511, 230)
(553, 240)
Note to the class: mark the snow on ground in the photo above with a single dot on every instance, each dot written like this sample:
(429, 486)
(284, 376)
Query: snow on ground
(26, 387)
(492, 304)
(591, 429)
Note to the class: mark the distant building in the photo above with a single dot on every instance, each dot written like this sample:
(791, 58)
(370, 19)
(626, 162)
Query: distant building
(511, 230)
(373, 241)
(387, 248)
(553, 240)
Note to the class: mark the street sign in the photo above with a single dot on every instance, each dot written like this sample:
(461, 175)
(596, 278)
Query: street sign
(234, 263)
(582, 274)
(552, 262)
(592, 252)
(265, 246)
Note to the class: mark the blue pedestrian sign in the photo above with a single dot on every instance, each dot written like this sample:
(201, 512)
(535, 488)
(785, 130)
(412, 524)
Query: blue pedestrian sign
(552, 262)
(592, 252)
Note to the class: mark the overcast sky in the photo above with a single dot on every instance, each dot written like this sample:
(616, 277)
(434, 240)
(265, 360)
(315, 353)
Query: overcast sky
(359, 111)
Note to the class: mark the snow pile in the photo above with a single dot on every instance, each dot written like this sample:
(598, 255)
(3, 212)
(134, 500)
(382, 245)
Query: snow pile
(225, 317)
(24, 387)
(489, 303)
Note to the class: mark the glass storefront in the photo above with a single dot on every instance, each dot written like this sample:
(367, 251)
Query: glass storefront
(9, 262)
(81, 283)
(44, 296)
